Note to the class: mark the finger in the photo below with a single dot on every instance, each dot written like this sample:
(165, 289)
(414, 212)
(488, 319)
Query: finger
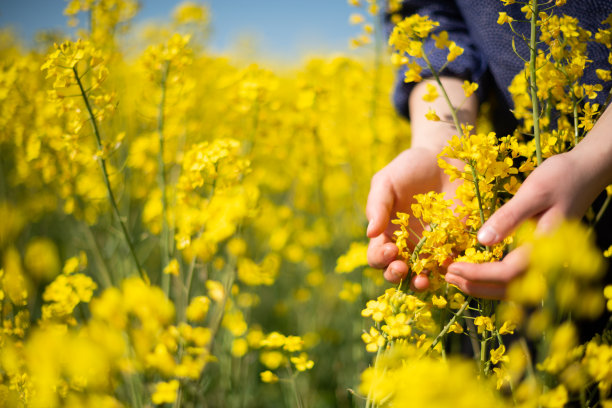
(481, 290)
(525, 204)
(496, 273)
(381, 251)
(549, 220)
(420, 282)
(396, 271)
(379, 205)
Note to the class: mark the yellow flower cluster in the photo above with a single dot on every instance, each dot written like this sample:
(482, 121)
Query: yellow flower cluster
(278, 350)
(402, 378)
(110, 17)
(237, 186)
(407, 40)
(446, 236)
(67, 291)
(559, 70)
(565, 267)
(395, 314)
(78, 71)
(355, 257)
(368, 28)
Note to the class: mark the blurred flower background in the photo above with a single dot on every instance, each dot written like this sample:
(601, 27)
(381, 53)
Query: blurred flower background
(182, 191)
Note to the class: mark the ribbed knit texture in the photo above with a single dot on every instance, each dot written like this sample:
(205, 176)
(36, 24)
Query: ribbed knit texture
(488, 58)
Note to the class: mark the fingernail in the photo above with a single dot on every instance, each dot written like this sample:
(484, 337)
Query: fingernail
(450, 278)
(396, 274)
(370, 223)
(453, 269)
(487, 235)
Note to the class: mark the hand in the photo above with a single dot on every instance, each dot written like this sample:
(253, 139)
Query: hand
(414, 171)
(559, 188)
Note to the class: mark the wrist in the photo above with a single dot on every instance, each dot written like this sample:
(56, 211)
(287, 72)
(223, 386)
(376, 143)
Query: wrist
(591, 160)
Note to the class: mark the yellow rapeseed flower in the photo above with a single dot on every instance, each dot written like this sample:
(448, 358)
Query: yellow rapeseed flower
(431, 115)
(302, 363)
(356, 18)
(497, 355)
(165, 392)
(198, 308)
(272, 359)
(432, 93)
(504, 18)
(172, 268)
(484, 323)
(469, 88)
(355, 257)
(268, 377)
(453, 51)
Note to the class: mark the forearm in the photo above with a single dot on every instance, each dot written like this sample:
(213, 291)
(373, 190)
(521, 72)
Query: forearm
(593, 155)
(434, 135)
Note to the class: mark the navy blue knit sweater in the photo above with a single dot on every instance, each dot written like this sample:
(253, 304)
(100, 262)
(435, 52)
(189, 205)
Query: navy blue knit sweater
(488, 58)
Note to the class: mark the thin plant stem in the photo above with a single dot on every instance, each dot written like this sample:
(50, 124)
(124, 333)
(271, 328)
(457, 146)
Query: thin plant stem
(449, 324)
(483, 354)
(296, 394)
(105, 277)
(575, 108)
(453, 111)
(417, 249)
(477, 188)
(535, 105)
(219, 317)
(164, 239)
(602, 210)
(109, 190)
(525, 348)
(375, 86)
(369, 402)
(471, 329)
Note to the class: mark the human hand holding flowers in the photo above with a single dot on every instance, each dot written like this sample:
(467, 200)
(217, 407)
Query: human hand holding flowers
(412, 172)
(564, 186)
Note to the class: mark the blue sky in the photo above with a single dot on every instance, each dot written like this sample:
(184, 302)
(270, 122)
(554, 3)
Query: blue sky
(281, 29)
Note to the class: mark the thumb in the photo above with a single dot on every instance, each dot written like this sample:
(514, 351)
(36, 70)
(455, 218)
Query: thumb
(379, 206)
(525, 204)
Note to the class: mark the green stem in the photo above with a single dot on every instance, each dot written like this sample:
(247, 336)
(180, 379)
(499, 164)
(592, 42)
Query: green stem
(417, 248)
(179, 398)
(449, 324)
(134, 394)
(472, 333)
(525, 348)
(219, 317)
(102, 162)
(453, 111)
(477, 188)
(165, 245)
(187, 288)
(575, 108)
(105, 277)
(483, 354)
(532, 71)
(369, 402)
(296, 393)
(375, 86)
(602, 210)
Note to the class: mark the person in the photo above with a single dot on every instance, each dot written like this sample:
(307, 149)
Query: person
(563, 186)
